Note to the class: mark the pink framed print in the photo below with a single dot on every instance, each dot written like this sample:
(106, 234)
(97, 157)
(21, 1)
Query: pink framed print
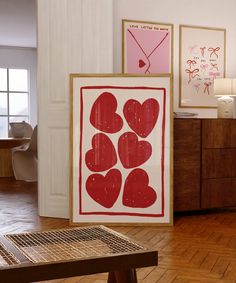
(121, 149)
(147, 47)
(202, 59)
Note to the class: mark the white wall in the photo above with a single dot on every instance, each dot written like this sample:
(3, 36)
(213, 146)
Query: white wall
(19, 57)
(211, 13)
(18, 23)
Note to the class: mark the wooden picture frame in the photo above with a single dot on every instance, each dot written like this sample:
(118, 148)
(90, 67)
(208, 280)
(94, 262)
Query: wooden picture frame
(121, 149)
(147, 47)
(201, 59)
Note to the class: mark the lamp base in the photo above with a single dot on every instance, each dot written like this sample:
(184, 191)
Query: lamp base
(225, 107)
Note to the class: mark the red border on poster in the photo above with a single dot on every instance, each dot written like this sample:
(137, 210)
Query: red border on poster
(81, 212)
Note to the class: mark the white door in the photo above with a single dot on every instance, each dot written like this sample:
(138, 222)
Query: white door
(74, 36)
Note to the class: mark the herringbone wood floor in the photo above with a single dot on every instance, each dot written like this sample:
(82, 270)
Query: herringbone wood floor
(198, 248)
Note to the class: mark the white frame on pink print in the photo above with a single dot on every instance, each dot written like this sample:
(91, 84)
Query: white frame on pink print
(93, 203)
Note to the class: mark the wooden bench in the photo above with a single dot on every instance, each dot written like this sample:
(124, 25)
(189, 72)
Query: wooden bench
(55, 254)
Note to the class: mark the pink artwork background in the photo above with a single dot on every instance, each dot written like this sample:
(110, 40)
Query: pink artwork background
(148, 51)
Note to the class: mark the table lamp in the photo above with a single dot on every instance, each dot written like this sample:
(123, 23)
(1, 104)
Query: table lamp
(223, 89)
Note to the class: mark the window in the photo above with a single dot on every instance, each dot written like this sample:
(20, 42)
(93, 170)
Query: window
(14, 98)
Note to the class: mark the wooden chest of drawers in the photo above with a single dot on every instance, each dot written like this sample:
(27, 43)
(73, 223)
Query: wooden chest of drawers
(204, 163)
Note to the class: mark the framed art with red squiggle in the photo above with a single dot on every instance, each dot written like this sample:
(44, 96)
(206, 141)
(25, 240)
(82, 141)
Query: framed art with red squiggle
(121, 149)
(147, 47)
(202, 59)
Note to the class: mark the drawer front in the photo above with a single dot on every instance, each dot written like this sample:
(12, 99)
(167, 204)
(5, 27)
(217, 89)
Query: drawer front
(218, 193)
(186, 188)
(187, 156)
(233, 133)
(218, 133)
(217, 163)
(187, 135)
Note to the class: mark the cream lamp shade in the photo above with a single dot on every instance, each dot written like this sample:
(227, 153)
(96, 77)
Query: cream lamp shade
(223, 89)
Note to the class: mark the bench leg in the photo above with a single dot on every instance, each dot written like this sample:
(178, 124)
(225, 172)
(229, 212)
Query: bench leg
(122, 276)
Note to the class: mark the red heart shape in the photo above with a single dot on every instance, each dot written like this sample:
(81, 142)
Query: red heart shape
(102, 156)
(132, 152)
(141, 63)
(104, 189)
(103, 115)
(137, 193)
(141, 117)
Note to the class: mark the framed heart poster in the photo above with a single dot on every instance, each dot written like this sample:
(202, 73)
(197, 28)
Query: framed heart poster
(121, 149)
(147, 47)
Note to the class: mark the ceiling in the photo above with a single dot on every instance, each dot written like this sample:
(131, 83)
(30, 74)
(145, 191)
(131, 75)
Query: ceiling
(18, 23)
